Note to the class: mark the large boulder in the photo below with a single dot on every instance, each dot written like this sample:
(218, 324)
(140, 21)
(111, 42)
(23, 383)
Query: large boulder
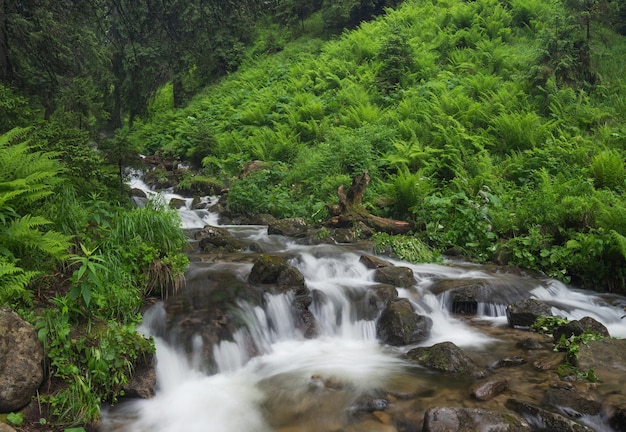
(442, 419)
(21, 357)
(465, 295)
(524, 313)
(399, 325)
(445, 357)
(268, 269)
(214, 239)
(402, 277)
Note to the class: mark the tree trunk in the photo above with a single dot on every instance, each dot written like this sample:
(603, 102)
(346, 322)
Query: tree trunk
(4, 44)
(351, 210)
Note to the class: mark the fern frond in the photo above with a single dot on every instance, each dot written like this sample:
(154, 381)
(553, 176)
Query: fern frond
(13, 282)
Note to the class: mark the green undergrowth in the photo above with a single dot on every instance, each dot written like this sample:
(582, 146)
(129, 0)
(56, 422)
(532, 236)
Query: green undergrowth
(478, 122)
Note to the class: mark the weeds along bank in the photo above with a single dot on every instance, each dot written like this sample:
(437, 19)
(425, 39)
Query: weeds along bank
(496, 127)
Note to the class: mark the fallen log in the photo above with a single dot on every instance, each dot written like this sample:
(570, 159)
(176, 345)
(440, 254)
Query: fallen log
(351, 210)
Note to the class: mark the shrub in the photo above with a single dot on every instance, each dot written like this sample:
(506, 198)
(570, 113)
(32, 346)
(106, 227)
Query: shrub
(607, 169)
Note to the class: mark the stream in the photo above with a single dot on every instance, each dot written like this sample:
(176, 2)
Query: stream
(343, 379)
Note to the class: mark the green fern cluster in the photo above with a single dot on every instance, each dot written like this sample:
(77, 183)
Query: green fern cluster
(608, 170)
(26, 178)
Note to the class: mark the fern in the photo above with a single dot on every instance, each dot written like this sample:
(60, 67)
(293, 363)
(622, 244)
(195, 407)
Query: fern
(13, 282)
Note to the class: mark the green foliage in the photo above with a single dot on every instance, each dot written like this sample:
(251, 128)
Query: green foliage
(95, 365)
(406, 248)
(26, 178)
(491, 109)
(607, 169)
(16, 419)
(547, 324)
(261, 192)
(407, 193)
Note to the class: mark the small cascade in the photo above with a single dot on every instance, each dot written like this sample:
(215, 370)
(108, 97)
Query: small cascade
(267, 376)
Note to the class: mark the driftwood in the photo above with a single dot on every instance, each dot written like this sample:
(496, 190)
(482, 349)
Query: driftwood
(350, 210)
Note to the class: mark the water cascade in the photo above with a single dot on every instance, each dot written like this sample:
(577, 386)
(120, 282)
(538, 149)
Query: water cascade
(336, 380)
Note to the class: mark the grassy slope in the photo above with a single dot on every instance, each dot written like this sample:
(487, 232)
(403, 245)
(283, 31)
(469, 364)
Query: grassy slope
(476, 142)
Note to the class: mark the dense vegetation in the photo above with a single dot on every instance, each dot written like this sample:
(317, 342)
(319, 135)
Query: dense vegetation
(496, 127)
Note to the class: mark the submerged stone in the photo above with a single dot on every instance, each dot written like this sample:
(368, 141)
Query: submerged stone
(445, 357)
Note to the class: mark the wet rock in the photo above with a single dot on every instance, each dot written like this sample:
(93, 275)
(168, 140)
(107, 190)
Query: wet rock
(213, 239)
(530, 344)
(543, 420)
(464, 295)
(373, 262)
(445, 357)
(397, 276)
(399, 325)
(525, 312)
(442, 419)
(509, 362)
(606, 357)
(490, 388)
(346, 235)
(305, 320)
(21, 357)
(269, 269)
(617, 420)
(177, 203)
(293, 227)
(571, 403)
(382, 295)
(139, 193)
(143, 381)
(592, 325)
(549, 362)
(369, 404)
(262, 219)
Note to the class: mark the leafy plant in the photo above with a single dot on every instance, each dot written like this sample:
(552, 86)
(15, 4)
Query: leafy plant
(608, 170)
(403, 247)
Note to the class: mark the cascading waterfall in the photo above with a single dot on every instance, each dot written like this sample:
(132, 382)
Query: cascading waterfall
(311, 384)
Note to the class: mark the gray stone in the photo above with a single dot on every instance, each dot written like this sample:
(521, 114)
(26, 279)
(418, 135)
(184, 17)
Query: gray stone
(214, 239)
(442, 419)
(525, 312)
(571, 403)
(293, 227)
(269, 269)
(606, 357)
(489, 388)
(373, 262)
(445, 357)
(399, 324)
(543, 420)
(21, 357)
(397, 276)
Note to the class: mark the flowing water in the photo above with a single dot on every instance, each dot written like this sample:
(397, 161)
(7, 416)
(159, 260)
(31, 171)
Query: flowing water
(344, 379)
